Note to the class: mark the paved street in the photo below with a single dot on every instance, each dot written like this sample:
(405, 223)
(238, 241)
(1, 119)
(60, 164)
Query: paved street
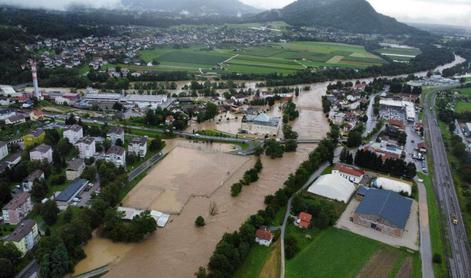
(459, 259)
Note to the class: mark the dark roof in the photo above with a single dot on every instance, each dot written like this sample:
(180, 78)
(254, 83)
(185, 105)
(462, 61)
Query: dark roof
(115, 150)
(75, 164)
(86, 140)
(21, 230)
(2, 143)
(141, 140)
(74, 128)
(16, 117)
(17, 201)
(12, 157)
(116, 130)
(43, 148)
(362, 191)
(34, 176)
(37, 132)
(71, 190)
(388, 205)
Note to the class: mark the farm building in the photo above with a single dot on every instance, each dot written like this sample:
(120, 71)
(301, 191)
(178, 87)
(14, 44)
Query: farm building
(333, 186)
(393, 185)
(383, 210)
(350, 173)
(263, 236)
(303, 220)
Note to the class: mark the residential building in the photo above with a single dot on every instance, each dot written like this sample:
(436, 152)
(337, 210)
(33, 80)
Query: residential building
(138, 146)
(3, 150)
(263, 236)
(28, 182)
(384, 211)
(41, 152)
(37, 136)
(334, 187)
(116, 155)
(6, 113)
(36, 115)
(261, 124)
(15, 119)
(114, 134)
(13, 159)
(73, 133)
(25, 236)
(18, 207)
(74, 169)
(86, 147)
(303, 220)
(348, 172)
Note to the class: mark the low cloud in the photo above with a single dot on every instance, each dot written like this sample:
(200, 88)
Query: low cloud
(62, 4)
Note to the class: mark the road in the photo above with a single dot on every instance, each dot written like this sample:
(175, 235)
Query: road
(426, 253)
(311, 179)
(459, 259)
(30, 271)
(145, 165)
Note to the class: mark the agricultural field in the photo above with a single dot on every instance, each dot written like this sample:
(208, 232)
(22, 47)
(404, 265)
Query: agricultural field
(338, 253)
(399, 53)
(284, 58)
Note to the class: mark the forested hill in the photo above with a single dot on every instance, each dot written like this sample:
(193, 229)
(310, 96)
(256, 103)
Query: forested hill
(350, 15)
(193, 7)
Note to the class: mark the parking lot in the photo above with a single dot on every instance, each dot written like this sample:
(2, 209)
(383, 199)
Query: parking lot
(409, 239)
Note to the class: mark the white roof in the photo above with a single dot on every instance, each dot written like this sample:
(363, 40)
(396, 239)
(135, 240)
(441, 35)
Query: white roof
(334, 187)
(160, 218)
(393, 185)
(7, 90)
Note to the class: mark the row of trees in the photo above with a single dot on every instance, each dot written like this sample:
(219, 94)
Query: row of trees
(395, 167)
(234, 247)
(249, 177)
(289, 112)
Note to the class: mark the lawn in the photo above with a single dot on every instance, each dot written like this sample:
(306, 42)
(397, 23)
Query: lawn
(255, 261)
(338, 253)
(462, 106)
(465, 92)
(282, 58)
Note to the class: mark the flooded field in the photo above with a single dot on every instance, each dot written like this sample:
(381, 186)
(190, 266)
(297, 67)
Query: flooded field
(196, 170)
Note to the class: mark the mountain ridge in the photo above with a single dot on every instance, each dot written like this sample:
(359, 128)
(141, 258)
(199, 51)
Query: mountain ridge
(349, 15)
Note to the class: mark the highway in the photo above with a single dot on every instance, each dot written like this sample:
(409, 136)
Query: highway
(459, 257)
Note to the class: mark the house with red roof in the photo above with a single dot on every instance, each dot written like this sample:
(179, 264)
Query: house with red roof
(303, 220)
(422, 147)
(348, 172)
(263, 236)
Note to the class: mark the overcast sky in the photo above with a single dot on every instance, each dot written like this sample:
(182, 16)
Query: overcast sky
(452, 12)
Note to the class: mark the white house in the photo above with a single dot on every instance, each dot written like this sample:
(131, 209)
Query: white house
(263, 236)
(31, 178)
(116, 133)
(350, 173)
(138, 146)
(3, 150)
(116, 155)
(73, 133)
(41, 152)
(86, 147)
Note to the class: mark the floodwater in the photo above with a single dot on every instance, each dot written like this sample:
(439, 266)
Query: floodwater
(180, 248)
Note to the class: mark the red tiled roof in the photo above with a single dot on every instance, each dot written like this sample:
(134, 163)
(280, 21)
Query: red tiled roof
(304, 219)
(422, 145)
(263, 234)
(396, 123)
(349, 170)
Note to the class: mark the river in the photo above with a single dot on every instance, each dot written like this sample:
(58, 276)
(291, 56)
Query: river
(180, 248)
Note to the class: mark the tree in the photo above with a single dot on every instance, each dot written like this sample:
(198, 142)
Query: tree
(39, 191)
(291, 145)
(199, 222)
(5, 193)
(89, 173)
(49, 212)
(273, 148)
(291, 247)
(10, 252)
(119, 142)
(354, 139)
(201, 273)
(156, 144)
(7, 268)
(236, 188)
(54, 261)
(437, 259)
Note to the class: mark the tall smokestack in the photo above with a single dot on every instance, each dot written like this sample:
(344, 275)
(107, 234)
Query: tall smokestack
(34, 71)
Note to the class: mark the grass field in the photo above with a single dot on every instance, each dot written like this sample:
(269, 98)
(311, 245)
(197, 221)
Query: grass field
(338, 253)
(399, 54)
(462, 106)
(465, 92)
(282, 58)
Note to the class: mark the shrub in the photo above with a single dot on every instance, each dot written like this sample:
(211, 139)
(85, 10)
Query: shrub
(199, 222)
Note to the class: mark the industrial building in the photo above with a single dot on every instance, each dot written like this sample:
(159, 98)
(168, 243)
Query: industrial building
(334, 187)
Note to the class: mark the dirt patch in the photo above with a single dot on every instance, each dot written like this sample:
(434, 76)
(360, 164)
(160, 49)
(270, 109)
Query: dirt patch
(380, 264)
(335, 60)
(406, 269)
(271, 269)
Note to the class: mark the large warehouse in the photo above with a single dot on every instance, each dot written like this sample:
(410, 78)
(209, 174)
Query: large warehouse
(333, 186)
(393, 185)
(383, 210)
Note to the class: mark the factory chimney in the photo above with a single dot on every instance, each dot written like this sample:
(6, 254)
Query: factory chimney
(34, 71)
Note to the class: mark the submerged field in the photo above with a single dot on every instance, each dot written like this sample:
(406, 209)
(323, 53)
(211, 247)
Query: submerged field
(400, 53)
(282, 58)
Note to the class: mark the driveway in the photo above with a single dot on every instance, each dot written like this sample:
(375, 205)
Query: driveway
(409, 239)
